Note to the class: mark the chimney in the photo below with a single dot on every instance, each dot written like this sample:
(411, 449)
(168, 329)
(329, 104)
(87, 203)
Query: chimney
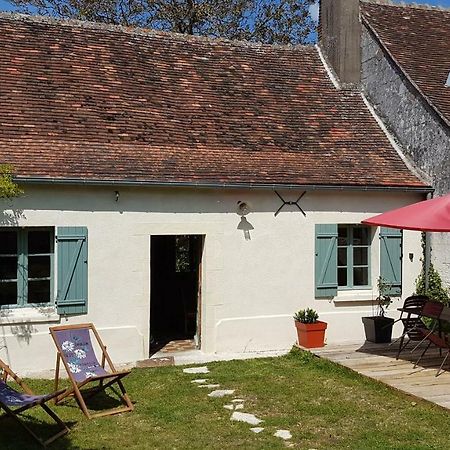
(340, 39)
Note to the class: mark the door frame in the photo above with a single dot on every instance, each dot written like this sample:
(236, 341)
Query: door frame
(200, 249)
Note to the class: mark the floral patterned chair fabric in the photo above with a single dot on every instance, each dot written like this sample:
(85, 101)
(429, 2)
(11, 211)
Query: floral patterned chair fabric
(11, 397)
(79, 353)
(76, 351)
(13, 403)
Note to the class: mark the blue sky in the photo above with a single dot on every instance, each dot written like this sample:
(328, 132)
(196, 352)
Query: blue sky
(6, 6)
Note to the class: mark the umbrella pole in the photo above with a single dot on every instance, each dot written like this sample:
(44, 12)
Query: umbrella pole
(427, 260)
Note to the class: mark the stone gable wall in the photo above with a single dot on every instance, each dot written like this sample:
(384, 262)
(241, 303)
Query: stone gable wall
(423, 137)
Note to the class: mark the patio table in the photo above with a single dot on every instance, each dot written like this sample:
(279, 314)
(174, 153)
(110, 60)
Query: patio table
(417, 311)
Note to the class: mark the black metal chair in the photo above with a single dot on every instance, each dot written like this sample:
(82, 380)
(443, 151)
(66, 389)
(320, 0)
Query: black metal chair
(410, 317)
(437, 337)
(431, 310)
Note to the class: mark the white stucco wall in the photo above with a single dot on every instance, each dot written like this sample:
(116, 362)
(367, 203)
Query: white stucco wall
(250, 288)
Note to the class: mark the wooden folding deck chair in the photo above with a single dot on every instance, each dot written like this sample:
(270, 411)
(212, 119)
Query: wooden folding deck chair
(13, 403)
(75, 350)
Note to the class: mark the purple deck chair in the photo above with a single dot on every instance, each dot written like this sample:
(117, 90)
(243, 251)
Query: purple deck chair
(13, 403)
(75, 349)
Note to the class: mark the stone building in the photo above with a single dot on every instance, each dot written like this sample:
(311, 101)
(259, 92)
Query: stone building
(187, 188)
(399, 56)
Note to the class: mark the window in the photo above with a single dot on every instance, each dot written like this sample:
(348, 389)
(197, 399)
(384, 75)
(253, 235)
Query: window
(353, 257)
(342, 258)
(26, 266)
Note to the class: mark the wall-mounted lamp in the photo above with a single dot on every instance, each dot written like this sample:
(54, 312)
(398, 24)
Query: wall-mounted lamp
(117, 195)
(243, 208)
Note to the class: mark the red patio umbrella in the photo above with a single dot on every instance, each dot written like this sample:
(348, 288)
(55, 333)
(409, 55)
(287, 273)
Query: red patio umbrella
(429, 215)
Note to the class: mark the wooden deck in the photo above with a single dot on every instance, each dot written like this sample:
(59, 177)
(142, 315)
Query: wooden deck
(378, 361)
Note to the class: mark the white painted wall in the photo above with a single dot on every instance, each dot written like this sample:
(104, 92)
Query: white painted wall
(250, 288)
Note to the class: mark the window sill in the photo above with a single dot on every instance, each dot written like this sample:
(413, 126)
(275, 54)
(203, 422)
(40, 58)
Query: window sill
(357, 295)
(28, 315)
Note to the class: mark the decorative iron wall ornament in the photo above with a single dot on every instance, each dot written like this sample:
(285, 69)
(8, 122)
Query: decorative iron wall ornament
(290, 203)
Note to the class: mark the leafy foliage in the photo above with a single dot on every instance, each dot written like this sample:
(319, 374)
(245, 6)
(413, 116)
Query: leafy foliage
(268, 21)
(307, 315)
(383, 300)
(436, 289)
(8, 189)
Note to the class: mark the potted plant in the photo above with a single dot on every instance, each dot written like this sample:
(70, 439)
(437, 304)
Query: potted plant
(378, 328)
(310, 330)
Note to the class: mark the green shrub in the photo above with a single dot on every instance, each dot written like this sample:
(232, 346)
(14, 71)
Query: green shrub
(436, 289)
(383, 300)
(307, 315)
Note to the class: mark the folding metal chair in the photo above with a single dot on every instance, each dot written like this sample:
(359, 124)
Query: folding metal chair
(13, 403)
(431, 310)
(410, 314)
(439, 339)
(75, 350)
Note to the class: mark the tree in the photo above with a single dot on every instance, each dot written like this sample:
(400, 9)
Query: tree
(268, 21)
(8, 189)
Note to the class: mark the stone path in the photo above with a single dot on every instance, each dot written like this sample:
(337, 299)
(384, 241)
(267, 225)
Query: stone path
(203, 369)
(221, 393)
(283, 434)
(235, 404)
(251, 419)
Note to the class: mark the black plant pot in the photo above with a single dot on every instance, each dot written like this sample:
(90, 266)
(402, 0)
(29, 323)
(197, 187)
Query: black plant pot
(378, 329)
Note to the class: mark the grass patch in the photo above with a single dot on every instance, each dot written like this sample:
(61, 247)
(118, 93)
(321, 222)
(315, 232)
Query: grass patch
(323, 405)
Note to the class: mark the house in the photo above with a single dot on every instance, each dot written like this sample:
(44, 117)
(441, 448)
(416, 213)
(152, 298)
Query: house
(188, 187)
(405, 75)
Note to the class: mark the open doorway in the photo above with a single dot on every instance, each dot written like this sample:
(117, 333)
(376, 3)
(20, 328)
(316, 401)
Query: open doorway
(175, 267)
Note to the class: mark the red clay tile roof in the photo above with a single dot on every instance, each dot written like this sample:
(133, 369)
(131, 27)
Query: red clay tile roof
(418, 39)
(89, 102)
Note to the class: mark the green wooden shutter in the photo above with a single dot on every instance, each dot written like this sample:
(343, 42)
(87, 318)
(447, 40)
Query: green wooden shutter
(326, 260)
(391, 258)
(72, 270)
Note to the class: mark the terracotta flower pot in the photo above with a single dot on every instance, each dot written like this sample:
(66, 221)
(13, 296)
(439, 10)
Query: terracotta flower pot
(311, 335)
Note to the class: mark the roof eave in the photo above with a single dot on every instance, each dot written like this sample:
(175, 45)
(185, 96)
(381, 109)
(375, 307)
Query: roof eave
(219, 185)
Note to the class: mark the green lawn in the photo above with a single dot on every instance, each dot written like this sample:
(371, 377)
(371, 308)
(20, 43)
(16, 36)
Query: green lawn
(323, 405)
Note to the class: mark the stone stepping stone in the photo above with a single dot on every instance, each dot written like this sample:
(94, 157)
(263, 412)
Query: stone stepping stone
(283, 434)
(234, 406)
(238, 400)
(203, 369)
(209, 386)
(221, 393)
(257, 429)
(199, 380)
(251, 419)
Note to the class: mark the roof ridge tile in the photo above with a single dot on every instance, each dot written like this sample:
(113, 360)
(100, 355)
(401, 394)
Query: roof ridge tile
(138, 31)
(405, 5)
